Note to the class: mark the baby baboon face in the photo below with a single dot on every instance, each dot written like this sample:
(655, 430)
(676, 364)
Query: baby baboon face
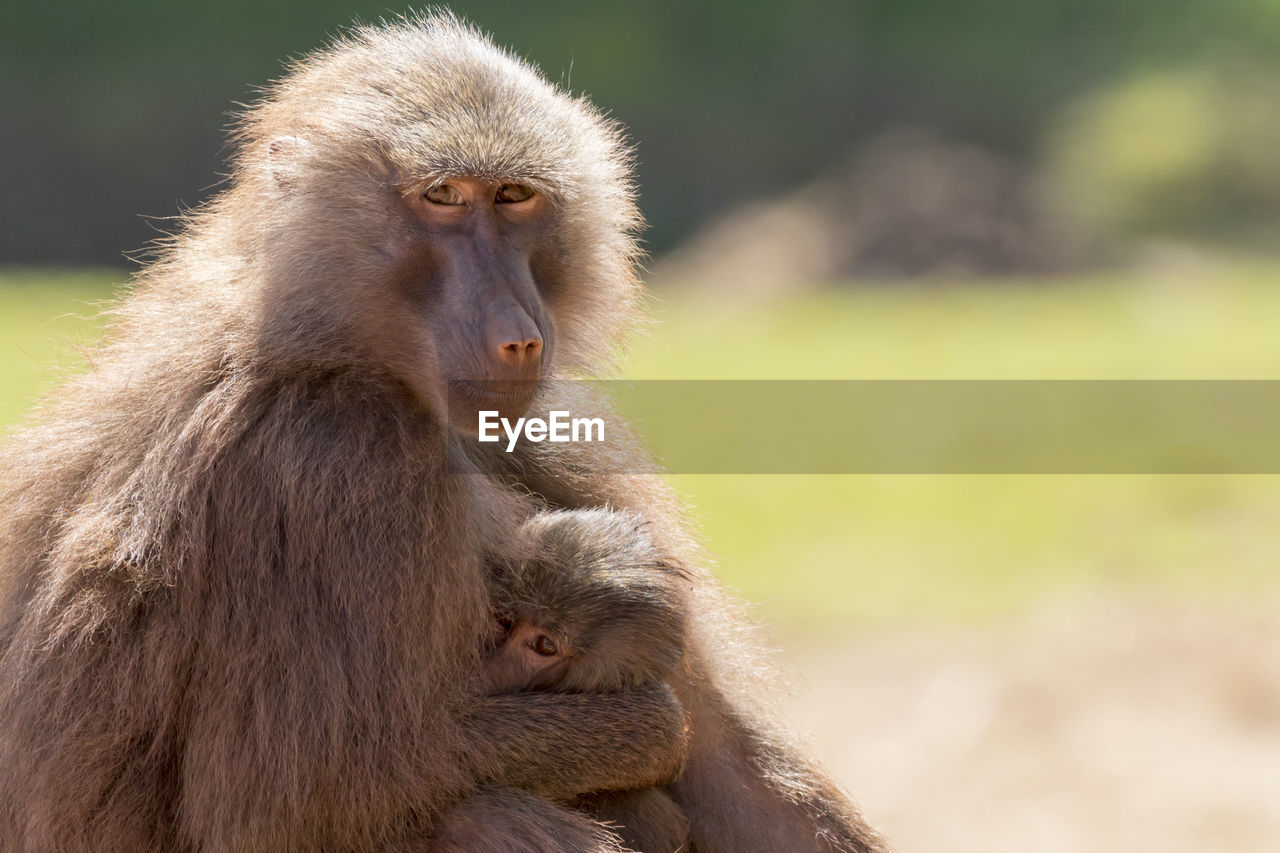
(594, 607)
(527, 656)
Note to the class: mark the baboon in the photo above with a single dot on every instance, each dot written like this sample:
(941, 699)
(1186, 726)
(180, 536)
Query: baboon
(593, 608)
(245, 556)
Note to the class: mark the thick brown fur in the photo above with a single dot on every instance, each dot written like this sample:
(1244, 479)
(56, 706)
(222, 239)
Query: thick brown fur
(647, 820)
(243, 594)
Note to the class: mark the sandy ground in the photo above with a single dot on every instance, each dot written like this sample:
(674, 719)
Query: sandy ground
(1087, 728)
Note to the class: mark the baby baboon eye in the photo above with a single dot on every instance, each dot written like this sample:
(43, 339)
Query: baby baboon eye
(545, 646)
(513, 193)
(443, 194)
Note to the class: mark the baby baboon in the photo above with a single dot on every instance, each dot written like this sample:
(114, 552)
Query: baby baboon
(594, 608)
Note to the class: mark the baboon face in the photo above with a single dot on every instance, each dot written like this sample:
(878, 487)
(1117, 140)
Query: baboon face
(472, 259)
(448, 281)
(527, 655)
(428, 208)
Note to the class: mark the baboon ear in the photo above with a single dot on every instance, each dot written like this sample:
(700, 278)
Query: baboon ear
(284, 159)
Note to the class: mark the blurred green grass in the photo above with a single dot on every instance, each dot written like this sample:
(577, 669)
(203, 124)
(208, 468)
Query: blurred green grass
(833, 554)
(46, 320)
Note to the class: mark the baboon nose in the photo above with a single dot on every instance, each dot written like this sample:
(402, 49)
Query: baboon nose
(521, 355)
(514, 339)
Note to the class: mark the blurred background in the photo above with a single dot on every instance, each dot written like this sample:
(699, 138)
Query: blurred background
(1049, 189)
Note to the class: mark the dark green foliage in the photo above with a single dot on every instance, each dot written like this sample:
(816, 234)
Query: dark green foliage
(113, 112)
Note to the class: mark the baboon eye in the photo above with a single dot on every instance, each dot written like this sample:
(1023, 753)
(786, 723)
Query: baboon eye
(545, 646)
(443, 194)
(512, 193)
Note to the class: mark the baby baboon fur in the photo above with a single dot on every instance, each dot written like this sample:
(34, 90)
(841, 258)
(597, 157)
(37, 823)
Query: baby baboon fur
(594, 608)
(243, 583)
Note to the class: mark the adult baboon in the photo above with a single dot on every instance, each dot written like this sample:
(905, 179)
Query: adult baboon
(593, 607)
(244, 593)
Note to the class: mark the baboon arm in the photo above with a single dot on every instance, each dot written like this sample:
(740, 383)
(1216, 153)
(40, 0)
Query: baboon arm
(742, 789)
(563, 745)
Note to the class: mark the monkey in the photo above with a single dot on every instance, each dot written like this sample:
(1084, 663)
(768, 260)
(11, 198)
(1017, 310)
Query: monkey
(244, 556)
(593, 607)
